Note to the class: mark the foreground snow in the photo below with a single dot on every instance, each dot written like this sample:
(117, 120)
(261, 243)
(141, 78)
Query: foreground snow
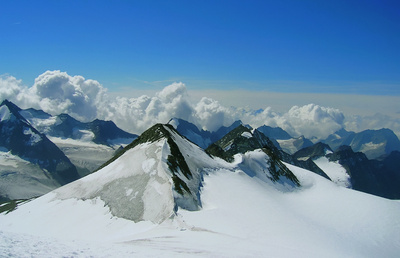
(241, 216)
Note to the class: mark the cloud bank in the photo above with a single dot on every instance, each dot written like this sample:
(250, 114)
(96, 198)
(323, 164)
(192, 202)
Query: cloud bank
(57, 92)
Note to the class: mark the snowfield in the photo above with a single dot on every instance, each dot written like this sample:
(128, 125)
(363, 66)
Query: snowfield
(241, 217)
(127, 209)
(288, 145)
(5, 113)
(85, 155)
(336, 172)
(16, 173)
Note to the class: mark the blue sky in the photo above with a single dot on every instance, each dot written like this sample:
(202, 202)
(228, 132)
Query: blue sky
(343, 47)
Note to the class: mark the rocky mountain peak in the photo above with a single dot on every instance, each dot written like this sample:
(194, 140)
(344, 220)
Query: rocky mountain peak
(241, 140)
(317, 150)
(21, 139)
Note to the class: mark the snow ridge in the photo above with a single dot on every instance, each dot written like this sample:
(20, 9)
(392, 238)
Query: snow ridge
(149, 180)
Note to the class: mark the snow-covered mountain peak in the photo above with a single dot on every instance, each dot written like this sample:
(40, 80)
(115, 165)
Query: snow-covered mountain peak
(87, 145)
(162, 171)
(149, 179)
(9, 111)
(317, 150)
(64, 126)
(243, 140)
(274, 132)
(42, 164)
(201, 137)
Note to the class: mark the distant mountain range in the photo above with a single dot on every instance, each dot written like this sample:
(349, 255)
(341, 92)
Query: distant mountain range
(31, 164)
(343, 166)
(40, 152)
(47, 151)
(202, 138)
(65, 126)
(87, 145)
(378, 177)
(373, 143)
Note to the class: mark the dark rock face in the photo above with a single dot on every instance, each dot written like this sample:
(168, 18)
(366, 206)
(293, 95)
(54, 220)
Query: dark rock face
(241, 140)
(378, 177)
(276, 133)
(105, 131)
(381, 178)
(317, 150)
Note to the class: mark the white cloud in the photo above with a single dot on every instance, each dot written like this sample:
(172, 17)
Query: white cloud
(309, 120)
(9, 87)
(313, 120)
(210, 115)
(137, 114)
(57, 92)
(12, 89)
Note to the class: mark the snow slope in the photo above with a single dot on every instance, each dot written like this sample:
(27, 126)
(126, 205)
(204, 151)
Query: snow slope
(15, 181)
(127, 209)
(294, 144)
(241, 217)
(131, 189)
(336, 172)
